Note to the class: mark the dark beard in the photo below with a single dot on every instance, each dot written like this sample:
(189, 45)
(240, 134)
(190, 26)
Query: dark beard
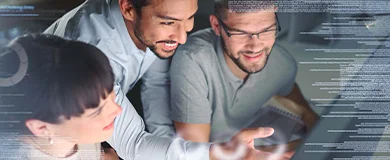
(237, 61)
(138, 34)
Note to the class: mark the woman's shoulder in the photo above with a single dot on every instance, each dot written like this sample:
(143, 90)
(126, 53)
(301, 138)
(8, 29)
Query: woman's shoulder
(12, 147)
(90, 151)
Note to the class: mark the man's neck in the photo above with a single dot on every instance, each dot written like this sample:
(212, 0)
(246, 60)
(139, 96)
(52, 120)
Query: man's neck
(234, 68)
(130, 30)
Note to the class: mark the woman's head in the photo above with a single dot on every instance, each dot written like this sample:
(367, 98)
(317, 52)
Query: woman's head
(67, 93)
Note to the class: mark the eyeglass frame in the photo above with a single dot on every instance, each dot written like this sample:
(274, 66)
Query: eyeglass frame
(225, 28)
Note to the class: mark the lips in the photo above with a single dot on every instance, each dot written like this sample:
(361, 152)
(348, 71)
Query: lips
(108, 127)
(253, 57)
(169, 46)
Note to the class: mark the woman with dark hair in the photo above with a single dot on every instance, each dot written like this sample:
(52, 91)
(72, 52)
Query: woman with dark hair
(59, 102)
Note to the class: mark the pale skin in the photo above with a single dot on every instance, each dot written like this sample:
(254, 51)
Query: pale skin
(252, 22)
(76, 130)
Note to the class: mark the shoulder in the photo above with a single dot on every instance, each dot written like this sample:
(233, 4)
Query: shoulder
(17, 150)
(90, 151)
(281, 57)
(200, 46)
(83, 23)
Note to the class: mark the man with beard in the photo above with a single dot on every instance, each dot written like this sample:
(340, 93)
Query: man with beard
(136, 35)
(223, 75)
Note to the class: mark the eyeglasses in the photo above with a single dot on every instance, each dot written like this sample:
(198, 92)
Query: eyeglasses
(243, 37)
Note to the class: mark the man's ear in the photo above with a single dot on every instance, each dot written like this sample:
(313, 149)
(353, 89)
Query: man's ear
(276, 8)
(215, 25)
(38, 128)
(127, 10)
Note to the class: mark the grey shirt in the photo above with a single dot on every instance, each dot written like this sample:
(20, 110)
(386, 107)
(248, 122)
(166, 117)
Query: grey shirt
(204, 90)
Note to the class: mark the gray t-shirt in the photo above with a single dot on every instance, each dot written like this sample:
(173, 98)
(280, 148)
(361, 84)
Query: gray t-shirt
(204, 90)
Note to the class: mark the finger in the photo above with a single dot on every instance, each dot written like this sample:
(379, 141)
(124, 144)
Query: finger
(252, 133)
(251, 144)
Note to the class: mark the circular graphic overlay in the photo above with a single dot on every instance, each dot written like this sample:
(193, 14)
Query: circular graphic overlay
(22, 70)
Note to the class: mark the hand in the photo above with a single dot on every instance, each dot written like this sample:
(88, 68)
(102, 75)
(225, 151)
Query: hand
(288, 150)
(241, 146)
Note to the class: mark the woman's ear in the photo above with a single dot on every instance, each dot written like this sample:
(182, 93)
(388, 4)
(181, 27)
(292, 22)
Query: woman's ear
(38, 128)
(127, 10)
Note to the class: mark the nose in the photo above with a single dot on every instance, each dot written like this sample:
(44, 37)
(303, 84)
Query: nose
(117, 110)
(189, 25)
(181, 34)
(255, 44)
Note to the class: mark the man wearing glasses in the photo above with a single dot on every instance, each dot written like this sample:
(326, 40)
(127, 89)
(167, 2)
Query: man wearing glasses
(224, 74)
(136, 35)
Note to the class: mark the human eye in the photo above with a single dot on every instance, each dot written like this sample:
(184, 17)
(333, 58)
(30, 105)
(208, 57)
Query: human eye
(270, 29)
(269, 32)
(167, 23)
(238, 33)
(97, 113)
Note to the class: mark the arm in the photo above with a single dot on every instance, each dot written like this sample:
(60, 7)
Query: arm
(156, 99)
(295, 103)
(308, 115)
(291, 91)
(131, 141)
(191, 109)
(193, 132)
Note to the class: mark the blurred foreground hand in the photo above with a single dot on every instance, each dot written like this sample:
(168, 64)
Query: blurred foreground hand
(241, 147)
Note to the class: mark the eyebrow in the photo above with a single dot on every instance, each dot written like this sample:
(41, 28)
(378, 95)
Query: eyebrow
(98, 110)
(239, 30)
(172, 18)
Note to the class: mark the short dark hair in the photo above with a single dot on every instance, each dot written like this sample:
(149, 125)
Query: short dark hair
(222, 6)
(138, 4)
(63, 79)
